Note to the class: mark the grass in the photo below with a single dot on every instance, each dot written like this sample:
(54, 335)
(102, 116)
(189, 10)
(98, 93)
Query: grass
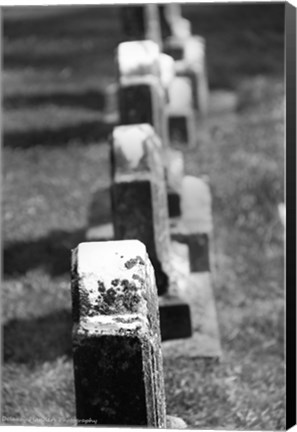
(57, 62)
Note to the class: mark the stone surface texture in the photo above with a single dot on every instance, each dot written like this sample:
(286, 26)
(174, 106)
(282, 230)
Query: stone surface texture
(116, 337)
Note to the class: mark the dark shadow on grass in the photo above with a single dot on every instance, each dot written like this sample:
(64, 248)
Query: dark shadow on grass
(93, 99)
(33, 341)
(52, 252)
(84, 132)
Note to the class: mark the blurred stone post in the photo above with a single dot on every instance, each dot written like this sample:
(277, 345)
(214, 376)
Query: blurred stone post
(140, 211)
(196, 225)
(180, 113)
(141, 93)
(139, 202)
(145, 77)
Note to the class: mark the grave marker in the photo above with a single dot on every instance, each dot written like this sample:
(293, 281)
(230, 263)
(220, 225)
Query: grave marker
(145, 79)
(195, 225)
(189, 54)
(141, 93)
(180, 113)
(138, 195)
(174, 175)
(140, 210)
(116, 337)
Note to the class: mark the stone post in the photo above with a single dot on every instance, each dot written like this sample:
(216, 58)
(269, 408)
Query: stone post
(139, 200)
(140, 211)
(145, 77)
(180, 113)
(116, 337)
(189, 55)
(195, 226)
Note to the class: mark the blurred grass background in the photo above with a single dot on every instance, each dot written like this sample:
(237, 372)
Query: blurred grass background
(57, 62)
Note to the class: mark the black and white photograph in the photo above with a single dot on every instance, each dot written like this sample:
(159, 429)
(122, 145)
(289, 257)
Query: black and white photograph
(144, 215)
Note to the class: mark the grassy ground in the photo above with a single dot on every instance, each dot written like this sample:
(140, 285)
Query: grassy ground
(57, 62)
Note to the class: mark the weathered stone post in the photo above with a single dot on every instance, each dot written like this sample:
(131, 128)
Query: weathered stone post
(116, 337)
(180, 113)
(140, 211)
(195, 226)
(139, 201)
(142, 96)
(189, 54)
(145, 77)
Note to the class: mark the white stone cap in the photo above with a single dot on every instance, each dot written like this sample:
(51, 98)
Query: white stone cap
(138, 58)
(104, 257)
(115, 285)
(132, 145)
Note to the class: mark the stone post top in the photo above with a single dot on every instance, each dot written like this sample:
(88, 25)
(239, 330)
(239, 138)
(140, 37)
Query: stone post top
(114, 287)
(133, 145)
(95, 257)
(138, 58)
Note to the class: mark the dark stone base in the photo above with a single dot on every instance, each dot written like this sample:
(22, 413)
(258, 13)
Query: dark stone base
(198, 244)
(173, 204)
(109, 381)
(175, 318)
(136, 105)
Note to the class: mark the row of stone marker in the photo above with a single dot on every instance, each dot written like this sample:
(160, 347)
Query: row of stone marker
(123, 291)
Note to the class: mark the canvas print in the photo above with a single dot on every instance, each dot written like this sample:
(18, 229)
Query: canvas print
(143, 216)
